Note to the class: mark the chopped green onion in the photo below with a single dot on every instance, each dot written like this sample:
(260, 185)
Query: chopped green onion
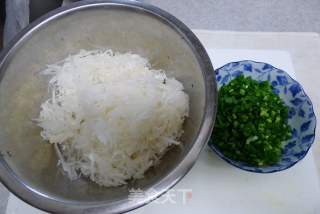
(252, 122)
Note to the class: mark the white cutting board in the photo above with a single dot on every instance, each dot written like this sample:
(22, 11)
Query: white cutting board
(213, 186)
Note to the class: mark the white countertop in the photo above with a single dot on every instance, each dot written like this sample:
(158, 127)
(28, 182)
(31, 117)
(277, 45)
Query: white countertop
(238, 15)
(304, 50)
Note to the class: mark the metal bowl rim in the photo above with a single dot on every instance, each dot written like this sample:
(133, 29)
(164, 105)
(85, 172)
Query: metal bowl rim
(42, 201)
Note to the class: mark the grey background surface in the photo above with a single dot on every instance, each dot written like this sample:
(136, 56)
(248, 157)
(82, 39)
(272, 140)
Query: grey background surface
(233, 15)
(246, 15)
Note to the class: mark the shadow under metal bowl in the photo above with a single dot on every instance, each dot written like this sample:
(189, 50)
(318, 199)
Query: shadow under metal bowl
(28, 165)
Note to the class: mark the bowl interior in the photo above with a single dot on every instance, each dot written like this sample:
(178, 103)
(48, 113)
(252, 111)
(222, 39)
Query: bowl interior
(22, 90)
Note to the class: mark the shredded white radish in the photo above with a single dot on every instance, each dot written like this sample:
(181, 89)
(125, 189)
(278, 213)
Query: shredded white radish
(111, 114)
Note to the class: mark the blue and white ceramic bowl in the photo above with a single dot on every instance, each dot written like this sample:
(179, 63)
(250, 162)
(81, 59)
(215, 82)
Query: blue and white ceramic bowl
(301, 116)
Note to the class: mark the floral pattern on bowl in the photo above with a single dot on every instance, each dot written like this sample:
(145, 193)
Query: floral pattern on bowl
(301, 115)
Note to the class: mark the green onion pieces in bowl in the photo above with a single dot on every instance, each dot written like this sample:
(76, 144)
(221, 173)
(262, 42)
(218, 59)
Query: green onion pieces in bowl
(251, 122)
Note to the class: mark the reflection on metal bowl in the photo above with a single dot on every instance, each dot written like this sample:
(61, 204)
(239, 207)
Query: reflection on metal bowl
(28, 166)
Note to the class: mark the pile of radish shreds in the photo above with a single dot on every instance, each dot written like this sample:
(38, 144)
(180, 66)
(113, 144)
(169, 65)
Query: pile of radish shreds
(112, 116)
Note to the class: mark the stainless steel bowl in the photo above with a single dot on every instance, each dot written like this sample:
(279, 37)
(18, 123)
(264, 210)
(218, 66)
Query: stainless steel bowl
(28, 166)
